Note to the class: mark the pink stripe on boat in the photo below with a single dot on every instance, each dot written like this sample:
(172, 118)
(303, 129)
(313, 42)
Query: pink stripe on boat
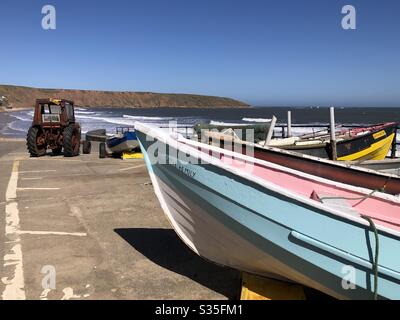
(384, 212)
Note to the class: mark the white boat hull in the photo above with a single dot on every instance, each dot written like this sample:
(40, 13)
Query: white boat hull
(124, 146)
(212, 240)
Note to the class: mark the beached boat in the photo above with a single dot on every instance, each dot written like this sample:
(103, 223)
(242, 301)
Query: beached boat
(361, 174)
(99, 135)
(259, 129)
(369, 143)
(124, 140)
(269, 220)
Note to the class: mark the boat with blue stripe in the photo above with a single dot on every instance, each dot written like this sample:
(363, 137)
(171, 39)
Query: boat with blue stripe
(124, 140)
(334, 239)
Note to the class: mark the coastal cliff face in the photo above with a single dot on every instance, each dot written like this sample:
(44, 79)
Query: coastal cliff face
(23, 97)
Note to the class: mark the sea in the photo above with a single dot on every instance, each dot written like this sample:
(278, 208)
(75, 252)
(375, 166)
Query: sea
(15, 124)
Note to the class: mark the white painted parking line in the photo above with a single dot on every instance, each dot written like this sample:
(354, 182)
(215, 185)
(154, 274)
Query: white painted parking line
(37, 178)
(56, 233)
(37, 171)
(58, 159)
(24, 189)
(15, 284)
(130, 168)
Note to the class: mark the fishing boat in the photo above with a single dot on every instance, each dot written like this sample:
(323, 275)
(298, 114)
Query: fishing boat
(368, 143)
(357, 173)
(274, 221)
(259, 129)
(124, 140)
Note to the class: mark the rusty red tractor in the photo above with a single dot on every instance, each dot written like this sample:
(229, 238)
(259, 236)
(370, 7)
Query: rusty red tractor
(54, 127)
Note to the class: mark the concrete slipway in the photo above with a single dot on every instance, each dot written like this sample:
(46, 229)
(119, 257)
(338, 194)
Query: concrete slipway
(95, 224)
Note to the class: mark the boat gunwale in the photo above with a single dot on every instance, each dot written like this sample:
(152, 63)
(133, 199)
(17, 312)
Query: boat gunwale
(344, 164)
(383, 196)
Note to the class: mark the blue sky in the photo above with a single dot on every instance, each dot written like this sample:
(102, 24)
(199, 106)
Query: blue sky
(283, 53)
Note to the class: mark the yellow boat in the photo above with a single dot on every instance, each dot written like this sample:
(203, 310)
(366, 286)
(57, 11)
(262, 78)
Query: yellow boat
(368, 143)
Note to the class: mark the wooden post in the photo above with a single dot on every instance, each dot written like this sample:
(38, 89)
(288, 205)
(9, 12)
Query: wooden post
(289, 124)
(333, 133)
(394, 145)
(271, 131)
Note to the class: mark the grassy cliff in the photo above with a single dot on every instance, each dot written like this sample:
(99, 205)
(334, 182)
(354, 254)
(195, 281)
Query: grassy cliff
(23, 97)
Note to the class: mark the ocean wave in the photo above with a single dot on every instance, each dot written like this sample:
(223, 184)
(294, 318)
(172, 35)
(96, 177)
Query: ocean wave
(256, 120)
(84, 112)
(109, 121)
(118, 120)
(144, 118)
(18, 126)
(221, 123)
(84, 116)
(301, 131)
(21, 117)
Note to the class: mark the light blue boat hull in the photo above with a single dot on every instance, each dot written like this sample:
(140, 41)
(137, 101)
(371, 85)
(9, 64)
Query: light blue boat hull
(237, 223)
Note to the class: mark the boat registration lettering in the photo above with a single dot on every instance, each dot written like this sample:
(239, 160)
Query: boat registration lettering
(185, 171)
(379, 134)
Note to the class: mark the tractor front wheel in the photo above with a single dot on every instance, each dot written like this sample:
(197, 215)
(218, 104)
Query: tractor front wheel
(36, 142)
(71, 141)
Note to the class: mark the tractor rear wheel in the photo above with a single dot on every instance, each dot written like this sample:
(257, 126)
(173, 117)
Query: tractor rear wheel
(71, 141)
(36, 142)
